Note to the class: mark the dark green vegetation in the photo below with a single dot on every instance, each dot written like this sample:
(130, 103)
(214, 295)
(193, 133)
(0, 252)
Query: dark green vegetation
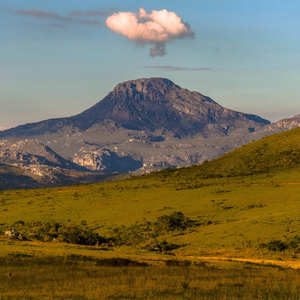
(139, 233)
(83, 235)
(50, 231)
(91, 280)
(244, 204)
(278, 245)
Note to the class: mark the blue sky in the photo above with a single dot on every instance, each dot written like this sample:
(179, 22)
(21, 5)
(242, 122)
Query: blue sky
(52, 67)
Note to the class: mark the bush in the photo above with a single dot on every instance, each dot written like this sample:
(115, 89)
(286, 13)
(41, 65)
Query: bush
(51, 231)
(141, 232)
(78, 235)
(276, 245)
(161, 247)
(294, 243)
(175, 221)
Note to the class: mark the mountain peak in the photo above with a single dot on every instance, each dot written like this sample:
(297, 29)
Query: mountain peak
(145, 86)
(146, 83)
(151, 104)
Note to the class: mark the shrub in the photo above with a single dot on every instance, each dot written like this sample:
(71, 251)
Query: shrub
(141, 232)
(161, 247)
(276, 245)
(175, 221)
(78, 235)
(294, 243)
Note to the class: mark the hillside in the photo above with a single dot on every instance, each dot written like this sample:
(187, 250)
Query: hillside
(276, 152)
(206, 209)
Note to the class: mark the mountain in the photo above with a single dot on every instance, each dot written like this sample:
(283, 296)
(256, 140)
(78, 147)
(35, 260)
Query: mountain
(154, 104)
(141, 126)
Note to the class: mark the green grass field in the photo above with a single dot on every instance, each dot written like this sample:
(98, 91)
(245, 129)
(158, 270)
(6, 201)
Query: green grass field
(244, 204)
(242, 211)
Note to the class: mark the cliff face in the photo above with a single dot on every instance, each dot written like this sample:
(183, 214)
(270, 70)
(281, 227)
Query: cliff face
(142, 125)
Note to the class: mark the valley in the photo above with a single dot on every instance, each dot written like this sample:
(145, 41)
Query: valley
(149, 150)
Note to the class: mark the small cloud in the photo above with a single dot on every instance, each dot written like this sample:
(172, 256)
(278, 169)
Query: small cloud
(174, 68)
(156, 28)
(158, 50)
(46, 15)
(42, 14)
(92, 13)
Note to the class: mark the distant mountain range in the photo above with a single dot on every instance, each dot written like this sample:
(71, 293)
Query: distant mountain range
(141, 126)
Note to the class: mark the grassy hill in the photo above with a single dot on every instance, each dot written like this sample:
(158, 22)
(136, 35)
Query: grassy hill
(276, 152)
(241, 201)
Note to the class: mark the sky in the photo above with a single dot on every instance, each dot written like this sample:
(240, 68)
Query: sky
(59, 57)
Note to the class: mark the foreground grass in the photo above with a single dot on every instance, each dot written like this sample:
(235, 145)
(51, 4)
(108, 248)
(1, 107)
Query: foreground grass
(77, 280)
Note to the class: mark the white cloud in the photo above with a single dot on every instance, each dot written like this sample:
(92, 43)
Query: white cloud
(157, 28)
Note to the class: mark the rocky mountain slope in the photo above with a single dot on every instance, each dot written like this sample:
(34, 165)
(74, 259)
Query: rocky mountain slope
(12, 177)
(141, 126)
(284, 124)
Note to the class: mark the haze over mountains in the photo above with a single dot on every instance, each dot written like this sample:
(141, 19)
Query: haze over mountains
(141, 126)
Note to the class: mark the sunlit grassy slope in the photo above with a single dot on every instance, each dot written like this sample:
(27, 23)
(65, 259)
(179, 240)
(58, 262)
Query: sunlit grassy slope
(276, 152)
(244, 198)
